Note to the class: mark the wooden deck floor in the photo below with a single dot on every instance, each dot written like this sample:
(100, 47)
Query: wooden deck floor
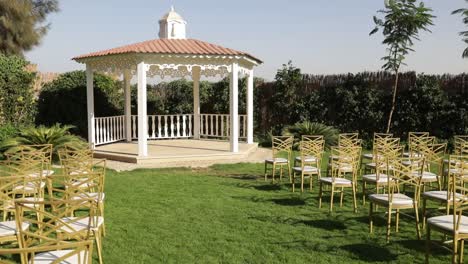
(170, 150)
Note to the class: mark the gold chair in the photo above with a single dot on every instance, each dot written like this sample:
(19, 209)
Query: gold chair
(281, 145)
(56, 228)
(375, 145)
(9, 192)
(445, 197)
(415, 140)
(37, 154)
(310, 160)
(455, 225)
(80, 161)
(82, 187)
(434, 157)
(393, 199)
(381, 175)
(346, 163)
(381, 146)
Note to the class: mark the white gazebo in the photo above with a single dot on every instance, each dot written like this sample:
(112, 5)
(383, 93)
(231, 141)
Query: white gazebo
(174, 56)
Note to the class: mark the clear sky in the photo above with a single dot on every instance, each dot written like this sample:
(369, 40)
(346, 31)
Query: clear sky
(319, 36)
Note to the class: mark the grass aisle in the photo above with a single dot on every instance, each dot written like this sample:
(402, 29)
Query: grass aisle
(229, 214)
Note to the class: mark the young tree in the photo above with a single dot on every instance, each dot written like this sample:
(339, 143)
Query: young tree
(402, 22)
(464, 34)
(22, 24)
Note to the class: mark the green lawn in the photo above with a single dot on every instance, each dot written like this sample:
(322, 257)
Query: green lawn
(229, 214)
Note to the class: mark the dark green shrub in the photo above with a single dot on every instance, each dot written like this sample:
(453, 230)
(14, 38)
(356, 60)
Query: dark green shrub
(329, 133)
(17, 104)
(63, 101)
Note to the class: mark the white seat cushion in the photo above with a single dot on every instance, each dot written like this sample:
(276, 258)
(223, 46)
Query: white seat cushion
(398, 199)
(337, 181)
(309, 169)
(373, 178)
(78, 172)
(445, 222)
(30, 187)
(427, 176)
(81, 196)
(368, 156)
(441, 195)
(50, 256)
(307, 159)
(277, 160)
(80, 224)
(457, 172)
(45, 173)
(414, 155)
(8, 228)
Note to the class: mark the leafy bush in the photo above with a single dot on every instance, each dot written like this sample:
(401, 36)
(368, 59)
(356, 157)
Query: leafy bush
(63, 101)
(330, 134)
(17, 104)
(57, 135)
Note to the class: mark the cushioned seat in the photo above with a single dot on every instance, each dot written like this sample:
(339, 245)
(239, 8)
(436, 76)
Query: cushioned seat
(373, 178)
(338, 181)
(427, 176)
(309, 169)
(45, 173)
(399, 199)
(80, 224)
(441, 195)
(277, 160)
(8, 228)
(414, 155)
(80, 196)
(30, 187)
(307, 159)
(445, 222)
(50, 256)
(78, 172)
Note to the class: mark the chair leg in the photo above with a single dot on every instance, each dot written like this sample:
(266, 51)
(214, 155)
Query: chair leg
(389, 223)
(281, 173)
(331, 197)
(341, 197)
(424, 202)
(293, 183)
(273, 171)
(363, 192)
(455, 251)
(266, 171)
(354, 198)
(320, 194)
(310, 178)
(418, 228)
(428, 243)
(289, 171)
(397, 220)
(370, 217)
(302, 182)
(462, 246)
(97, 237)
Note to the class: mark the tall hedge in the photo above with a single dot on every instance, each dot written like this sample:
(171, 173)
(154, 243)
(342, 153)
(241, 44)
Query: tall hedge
(17, 105)
(64, 100)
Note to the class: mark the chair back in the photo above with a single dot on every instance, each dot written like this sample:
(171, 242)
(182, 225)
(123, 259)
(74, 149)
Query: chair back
(76, 186)
(282, 145)
(311, 148)
(458, 171)
(405, 171)
(79, 161)
(38, 154)
(349, 140)
(460, 144)
(54, 227)
(345, 161)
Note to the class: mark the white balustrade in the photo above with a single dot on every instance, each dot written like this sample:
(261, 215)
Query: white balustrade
(217, 126)
(109, 129)
(112, 129)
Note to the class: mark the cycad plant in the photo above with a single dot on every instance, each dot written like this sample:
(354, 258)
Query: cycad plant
(329, 133)
(464, 13)
(57, 135)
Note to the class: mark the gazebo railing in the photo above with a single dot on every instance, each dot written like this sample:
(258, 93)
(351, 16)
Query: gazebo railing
(218, 126)
(166, 126)
(112, 129)
(109, 129)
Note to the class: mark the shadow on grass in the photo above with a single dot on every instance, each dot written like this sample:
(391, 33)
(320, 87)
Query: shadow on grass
(293, 201)
(242, 176)
(330, 225)
(268, 187)
(370, 253)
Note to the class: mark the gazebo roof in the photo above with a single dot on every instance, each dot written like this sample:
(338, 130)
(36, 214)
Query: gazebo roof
(170, 46)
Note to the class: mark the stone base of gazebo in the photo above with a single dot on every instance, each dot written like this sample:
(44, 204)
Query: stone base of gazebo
(173, 151)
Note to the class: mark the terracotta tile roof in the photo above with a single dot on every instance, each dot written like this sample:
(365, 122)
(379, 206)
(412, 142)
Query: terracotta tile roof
(170, 46)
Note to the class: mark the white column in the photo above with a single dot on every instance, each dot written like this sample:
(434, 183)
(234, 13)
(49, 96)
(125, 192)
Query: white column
(128, 105)
(233, 106)
(250, 84)
(196, 102)
(90, 106)
(142, 115)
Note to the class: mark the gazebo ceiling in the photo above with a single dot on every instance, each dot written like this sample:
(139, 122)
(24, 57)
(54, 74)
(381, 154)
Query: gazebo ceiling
(170, 47)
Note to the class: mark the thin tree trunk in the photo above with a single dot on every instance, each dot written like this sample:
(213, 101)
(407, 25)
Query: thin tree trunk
(395, 88)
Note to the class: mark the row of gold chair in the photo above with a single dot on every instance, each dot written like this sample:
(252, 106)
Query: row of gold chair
(60, 225)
